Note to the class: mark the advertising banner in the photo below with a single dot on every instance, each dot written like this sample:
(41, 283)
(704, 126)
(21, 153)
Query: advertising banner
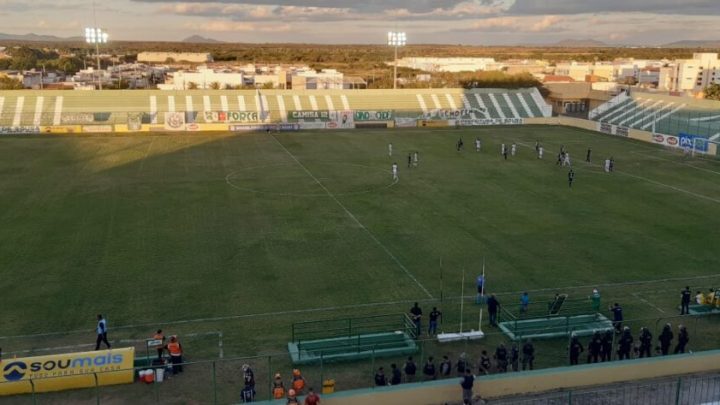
(19, 130)
(175, 121)
(452, 114)
(94, 129)
(666, 140)
(66, 129)
(264, 127)
(297, 115)
(77, 118)
(489, 121)
(231, 116)
(611, 129)
(312, 125)
(341, 120)
(689, 141)
(433, 123)
(134, 122)
(67, 371)
(402, 122)
(359, 116)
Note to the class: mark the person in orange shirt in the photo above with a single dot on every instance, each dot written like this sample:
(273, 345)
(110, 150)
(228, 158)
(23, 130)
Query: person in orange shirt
(278, 387)
(298, 382)
(175, 349)
(161, 348)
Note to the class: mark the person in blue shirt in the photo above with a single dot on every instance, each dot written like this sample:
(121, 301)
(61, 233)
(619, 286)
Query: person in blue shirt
(617, 317)
(101, 332)
(467, 386)
(524, 302)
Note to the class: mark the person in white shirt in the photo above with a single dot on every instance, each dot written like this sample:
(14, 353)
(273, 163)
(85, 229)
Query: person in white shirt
(101, 331)
(567, 159)
(513, 149)
(416, 159)
(607, 165)
(390, 149)
(540, 152)
(478, 145)
(395, 171)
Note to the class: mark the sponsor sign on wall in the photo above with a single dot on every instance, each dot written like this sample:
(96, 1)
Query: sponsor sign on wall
(264, 127)
(298, 115)
(489, 121)
(68, 129)
(341, 120)
(403, 122)
(175, 121)
(373, 115)
(433, 123)
(67, 371)
(312, 125)
(666, 140)
(611, 129)
(231, 116)
(97, 128)
(452, 114)
(699, 143)
(134, 122)
(19, 130)
(77, 118)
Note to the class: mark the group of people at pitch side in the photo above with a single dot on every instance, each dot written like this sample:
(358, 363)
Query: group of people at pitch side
(416, 315)
(292, 395)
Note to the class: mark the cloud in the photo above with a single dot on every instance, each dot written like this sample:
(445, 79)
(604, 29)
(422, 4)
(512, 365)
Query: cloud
(236, 26)
(243, 12)
(682, 7)
(518, 24)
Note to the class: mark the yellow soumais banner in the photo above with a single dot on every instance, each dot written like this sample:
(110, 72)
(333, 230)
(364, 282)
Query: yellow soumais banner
(67, 371)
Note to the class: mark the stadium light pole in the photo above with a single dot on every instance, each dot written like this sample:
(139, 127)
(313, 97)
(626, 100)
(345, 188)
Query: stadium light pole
(396, 40)
(96, 36)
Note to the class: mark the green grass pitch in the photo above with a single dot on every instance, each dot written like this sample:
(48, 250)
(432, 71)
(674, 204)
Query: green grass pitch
(153, 229)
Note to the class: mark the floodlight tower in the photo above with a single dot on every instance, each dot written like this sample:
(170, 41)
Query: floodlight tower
(396, 40)
(96, 36)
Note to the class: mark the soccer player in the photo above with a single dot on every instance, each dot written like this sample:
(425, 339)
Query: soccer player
(537, 146)
(503, 150)
(409, 160)
(459, 145)
(561, 157)
(571, 177)
(390, 150)
(567, 159)
(612, 164)
(395, 171)
(587, 158)
(416, 159)
(607, 165)
(513, 149)
(540, 152)
(478, 144)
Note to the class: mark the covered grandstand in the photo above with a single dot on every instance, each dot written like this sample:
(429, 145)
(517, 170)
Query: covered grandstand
(20, 109)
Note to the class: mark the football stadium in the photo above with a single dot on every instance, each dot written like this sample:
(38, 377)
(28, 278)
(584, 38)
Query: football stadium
(283, 230)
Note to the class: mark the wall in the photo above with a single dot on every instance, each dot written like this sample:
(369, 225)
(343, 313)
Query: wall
(532, 382)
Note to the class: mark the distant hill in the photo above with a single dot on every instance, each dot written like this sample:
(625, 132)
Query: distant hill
(579, 43)
(197, 39)
(37, 38)
(694, 44)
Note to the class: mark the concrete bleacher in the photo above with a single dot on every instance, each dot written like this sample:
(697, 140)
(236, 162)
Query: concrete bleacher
(665, 114)
(35, 108)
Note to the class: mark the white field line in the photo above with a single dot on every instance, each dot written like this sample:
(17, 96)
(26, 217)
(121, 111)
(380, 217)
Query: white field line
(639, 297)
(672, 161)
(357, 306)
(350, 214)
(657, 183)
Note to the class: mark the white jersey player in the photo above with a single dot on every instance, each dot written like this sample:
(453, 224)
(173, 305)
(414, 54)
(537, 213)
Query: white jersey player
(567, 159)
(478, 145)
(416, 159)
(540, 151)
(502, 149)
(607, 165)
(395, 171)
(513, 149)
(390, 150)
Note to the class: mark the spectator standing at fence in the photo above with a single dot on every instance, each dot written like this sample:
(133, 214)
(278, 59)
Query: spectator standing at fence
(515, 357)
(410, 370)
(101, 331)
(607, 344)
(528, 355)
(429, 370)
(396, 375)
(292, 397)
(380, 379)
(416, 317)
(524, 303)
(312, 398)
(645, 339)
(278, 389)
(665, 338)
(158, 336)
(617, 317)
(462, 364)
(685, 296)
(467, 387)
(176, 352)
(485, 364)
(625, 344)
(248, 376)
(433, 321)
(575, 349)
(493, 305)
(445, 367)
(298, 381)
(594, 348)
(501, 358)
(683, 339)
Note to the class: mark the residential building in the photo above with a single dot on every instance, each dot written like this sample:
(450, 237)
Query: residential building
(448, 64)
(172, 57)
(694, 75)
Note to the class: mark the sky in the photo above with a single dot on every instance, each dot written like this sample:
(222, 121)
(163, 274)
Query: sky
(471, 22)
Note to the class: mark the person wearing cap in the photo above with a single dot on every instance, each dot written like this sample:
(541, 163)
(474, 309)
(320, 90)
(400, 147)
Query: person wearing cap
(175, 349)
(298, 382)
(278, 387)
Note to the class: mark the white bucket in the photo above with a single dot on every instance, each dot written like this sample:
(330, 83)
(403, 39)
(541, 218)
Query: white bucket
(159, 375)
